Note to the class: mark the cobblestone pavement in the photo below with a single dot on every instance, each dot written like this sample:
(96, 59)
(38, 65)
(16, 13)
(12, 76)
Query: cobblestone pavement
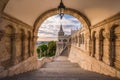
(60, 69)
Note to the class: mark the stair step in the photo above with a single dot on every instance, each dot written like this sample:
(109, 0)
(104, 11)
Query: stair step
(49, 65)
(61, 70)
(59, 62)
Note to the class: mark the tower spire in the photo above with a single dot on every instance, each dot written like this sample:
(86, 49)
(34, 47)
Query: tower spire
(61, 32)
(61, 29)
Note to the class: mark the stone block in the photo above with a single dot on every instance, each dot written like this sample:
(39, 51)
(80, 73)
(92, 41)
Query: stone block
(118, 74)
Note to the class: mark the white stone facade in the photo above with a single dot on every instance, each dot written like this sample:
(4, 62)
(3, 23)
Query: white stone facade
(63, 41)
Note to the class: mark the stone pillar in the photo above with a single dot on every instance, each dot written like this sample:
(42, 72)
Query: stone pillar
(97, 47)
(34, 40)
(23, 46)
(29, 46)
(26, 46)
(106, 51)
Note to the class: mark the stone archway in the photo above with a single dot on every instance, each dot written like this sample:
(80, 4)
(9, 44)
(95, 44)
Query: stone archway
(84, 20)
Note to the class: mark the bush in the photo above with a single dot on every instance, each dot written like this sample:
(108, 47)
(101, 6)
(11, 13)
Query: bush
(44, 50)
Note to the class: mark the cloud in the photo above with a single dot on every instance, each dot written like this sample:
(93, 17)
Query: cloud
(50, 27)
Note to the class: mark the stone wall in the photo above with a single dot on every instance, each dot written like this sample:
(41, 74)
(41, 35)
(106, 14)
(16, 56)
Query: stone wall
(16, 41)
(17, 44)
(99, 51)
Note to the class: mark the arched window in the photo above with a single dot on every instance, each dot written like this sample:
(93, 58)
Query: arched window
(101, 41)
(114, 46)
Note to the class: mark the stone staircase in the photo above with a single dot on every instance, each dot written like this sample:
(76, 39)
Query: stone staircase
(60, 69)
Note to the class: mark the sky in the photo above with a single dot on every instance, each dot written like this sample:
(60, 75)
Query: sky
(49, 29)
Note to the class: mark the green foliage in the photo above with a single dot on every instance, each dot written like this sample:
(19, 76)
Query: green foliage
(46, 50)
(51, 48)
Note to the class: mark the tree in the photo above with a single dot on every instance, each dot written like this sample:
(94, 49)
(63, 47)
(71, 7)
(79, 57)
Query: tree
(46, 50)
(42, 50)
(51, 48)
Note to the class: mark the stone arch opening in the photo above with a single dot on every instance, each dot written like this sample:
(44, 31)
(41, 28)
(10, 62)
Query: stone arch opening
(93, 43)
(84, 21)
(101, 45)
(114, 46)
(69, 24)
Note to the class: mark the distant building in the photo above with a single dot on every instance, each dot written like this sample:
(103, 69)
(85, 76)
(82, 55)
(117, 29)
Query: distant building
(62, 42)
(41, 42)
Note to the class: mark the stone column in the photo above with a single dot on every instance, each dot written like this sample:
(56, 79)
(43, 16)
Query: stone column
(23, 46)
(29, 46)
(26, 37)
(34, 40)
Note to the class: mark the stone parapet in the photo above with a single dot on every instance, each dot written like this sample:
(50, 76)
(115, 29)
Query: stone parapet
(90, 63)
(30, 64)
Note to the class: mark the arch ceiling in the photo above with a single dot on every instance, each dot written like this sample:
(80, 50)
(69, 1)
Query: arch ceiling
(29, 10)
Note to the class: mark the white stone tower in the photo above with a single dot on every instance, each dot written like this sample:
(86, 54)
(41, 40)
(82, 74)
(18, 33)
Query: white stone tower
(62, 41)
(61, 34)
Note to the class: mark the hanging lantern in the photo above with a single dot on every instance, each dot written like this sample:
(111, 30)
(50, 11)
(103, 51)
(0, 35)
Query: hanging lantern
(61, 9)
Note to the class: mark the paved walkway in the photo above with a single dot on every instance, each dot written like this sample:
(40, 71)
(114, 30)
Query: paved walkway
(60, 69)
